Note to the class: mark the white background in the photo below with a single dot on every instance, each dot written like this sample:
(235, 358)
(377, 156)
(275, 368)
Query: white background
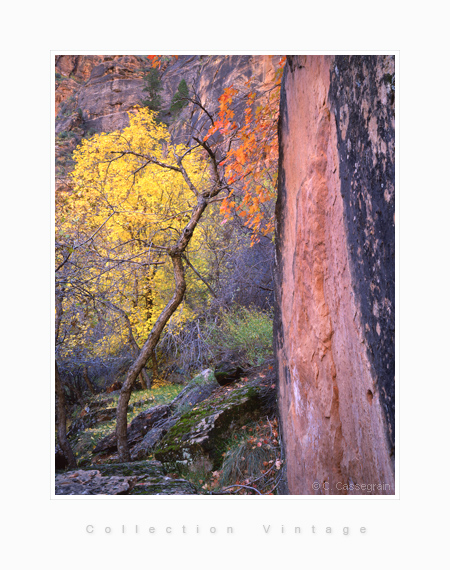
(409, 530)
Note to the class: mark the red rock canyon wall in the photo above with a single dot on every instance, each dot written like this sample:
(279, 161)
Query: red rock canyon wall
(335, 274)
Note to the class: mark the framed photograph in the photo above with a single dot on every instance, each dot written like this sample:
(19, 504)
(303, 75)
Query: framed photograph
(220, 256)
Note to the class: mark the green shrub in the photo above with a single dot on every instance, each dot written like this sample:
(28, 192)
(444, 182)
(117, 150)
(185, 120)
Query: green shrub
(247, 331)
(179, 99)
(66, 135)
(153, 87)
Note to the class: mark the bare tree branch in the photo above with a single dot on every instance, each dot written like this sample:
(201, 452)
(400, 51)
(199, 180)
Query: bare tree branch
(84, 243)
(199, 276)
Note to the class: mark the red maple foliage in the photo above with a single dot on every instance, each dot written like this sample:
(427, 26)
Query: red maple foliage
(251, 163)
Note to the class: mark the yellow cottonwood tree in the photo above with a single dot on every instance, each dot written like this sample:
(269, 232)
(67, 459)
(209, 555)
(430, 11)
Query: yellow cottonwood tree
(135, 210)
(137, 200)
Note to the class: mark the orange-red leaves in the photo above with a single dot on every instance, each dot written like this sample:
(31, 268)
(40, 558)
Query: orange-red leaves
(157, 60)
(251, 164)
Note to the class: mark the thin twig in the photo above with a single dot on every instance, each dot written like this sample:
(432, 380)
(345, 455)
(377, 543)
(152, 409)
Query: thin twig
(199, 276)
(84, 243)
(276, 485)
(264, 474)
(242, 487)
(149, 159)
(270, 425)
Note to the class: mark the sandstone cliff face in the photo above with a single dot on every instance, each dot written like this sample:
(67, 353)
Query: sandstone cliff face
(335, 273)
(94, 93)
(102, 89)
(70, 71)
(210, 75)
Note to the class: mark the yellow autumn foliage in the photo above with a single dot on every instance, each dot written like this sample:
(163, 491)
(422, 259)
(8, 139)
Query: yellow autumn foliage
(126, 210)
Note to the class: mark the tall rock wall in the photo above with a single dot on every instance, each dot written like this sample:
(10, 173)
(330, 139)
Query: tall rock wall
(94, 93)
(98, 91)
(335, 274)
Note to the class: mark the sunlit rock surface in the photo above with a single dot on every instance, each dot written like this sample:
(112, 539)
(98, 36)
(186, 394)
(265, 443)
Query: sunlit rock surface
(335, 273)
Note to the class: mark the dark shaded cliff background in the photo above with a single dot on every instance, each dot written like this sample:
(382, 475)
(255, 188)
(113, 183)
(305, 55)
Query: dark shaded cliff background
(94, 93)
(335, 269)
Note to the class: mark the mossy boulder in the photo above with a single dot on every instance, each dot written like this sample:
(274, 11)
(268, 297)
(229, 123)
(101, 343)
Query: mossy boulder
(198, 389)
(146, 429)
(200, 435)
(149, 468)
(151, 438)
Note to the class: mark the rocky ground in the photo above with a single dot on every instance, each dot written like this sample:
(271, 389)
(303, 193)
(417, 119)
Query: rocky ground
(218, 435)
(139, 478)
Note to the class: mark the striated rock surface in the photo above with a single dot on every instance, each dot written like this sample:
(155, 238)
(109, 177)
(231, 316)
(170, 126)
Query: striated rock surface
(335, 274)
(102, 89)
(92, 483)
(94, 94)
(197, 390)
(70, 72)
(143, 478)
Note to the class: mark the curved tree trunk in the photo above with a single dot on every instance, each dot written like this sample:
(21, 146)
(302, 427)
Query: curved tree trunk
(146, 383)
(61, 421)
(139, 363)
(175, 253)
